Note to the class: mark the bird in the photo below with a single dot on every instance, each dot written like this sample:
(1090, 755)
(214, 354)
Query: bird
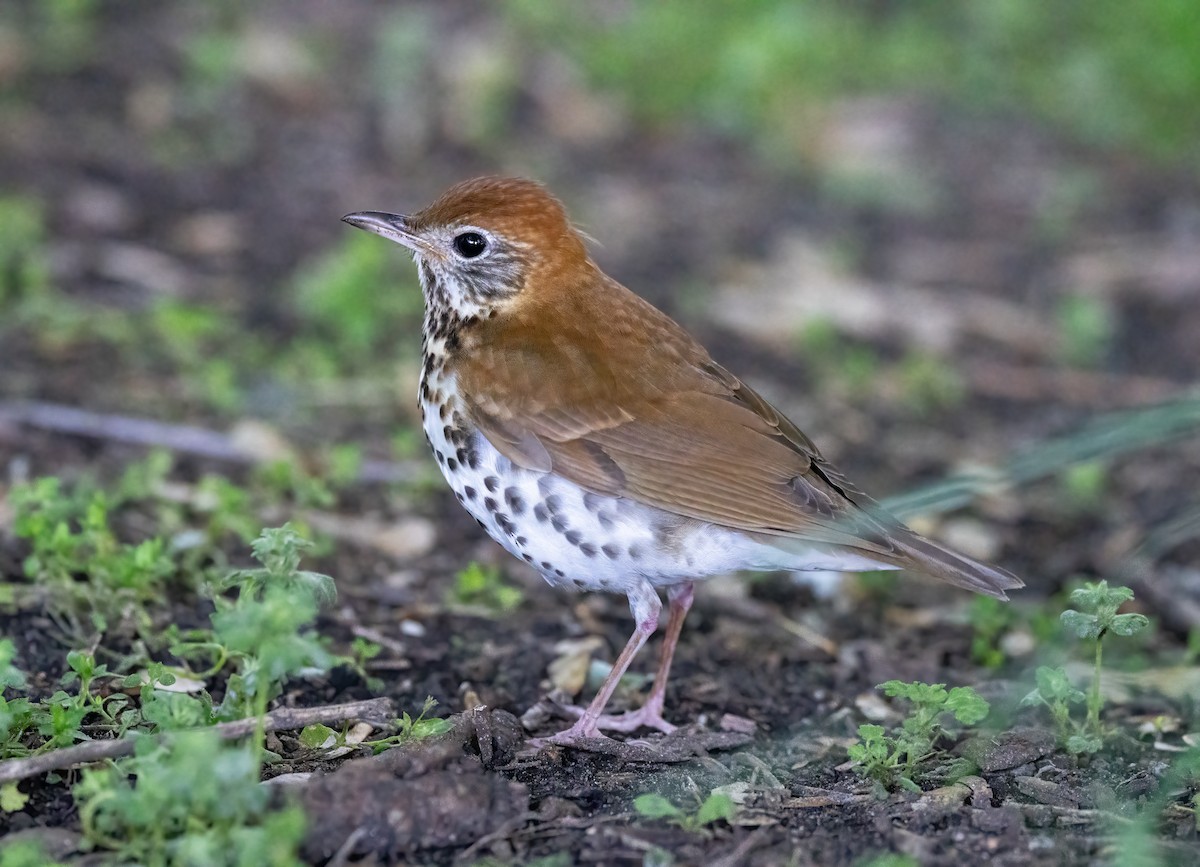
(595, 439)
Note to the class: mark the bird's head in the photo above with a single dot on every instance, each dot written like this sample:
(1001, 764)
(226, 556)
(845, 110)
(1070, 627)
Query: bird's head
(486, 244)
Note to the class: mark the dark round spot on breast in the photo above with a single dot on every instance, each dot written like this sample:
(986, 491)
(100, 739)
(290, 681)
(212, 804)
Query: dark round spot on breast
(492, 484)
(470, 492)
(574, 537)
(554, 504)
(545, 564)
(559, 524)
(591, 502)
(636, 551)
(560, 573)
(522, 541)
(489, 504)
(441, 458)
(539, 512)
(505, 523)
(612, 552)
(515, 501)
(588, 549)
(451, 464)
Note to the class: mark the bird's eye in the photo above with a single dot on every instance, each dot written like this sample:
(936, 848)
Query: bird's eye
(470, 244)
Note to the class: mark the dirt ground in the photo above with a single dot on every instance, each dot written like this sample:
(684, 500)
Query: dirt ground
(221, 204)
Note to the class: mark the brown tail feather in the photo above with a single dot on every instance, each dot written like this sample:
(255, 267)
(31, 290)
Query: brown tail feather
(926, 556)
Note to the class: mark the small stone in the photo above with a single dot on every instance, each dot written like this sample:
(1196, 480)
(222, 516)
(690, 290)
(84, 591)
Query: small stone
(1009, 749)
(1046, 792)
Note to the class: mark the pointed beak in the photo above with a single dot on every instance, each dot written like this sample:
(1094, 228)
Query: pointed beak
(394, 227)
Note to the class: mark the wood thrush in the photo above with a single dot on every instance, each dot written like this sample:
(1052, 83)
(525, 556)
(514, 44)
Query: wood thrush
(596, 440)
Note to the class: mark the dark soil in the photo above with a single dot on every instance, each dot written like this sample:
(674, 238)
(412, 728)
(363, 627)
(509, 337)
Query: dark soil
(279, 157)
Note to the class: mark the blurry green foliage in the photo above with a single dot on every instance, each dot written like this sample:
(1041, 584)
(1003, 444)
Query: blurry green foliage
(484, 586)
(197, 800)
(1111, 73)
(1086, 326)
(24, 262)
(360, 297)
(930, 383)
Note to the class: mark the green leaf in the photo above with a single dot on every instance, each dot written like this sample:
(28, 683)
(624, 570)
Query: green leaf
(968, 706)
(869, 732)
(424, 728)
(12, 799)
(908, 785)
(1032, 698)
(1083, 625)
(655, 806)
(10, 675)
(920, 694)
(1128, 624)
(316, 736)
(716, 806)
(1099, 595)
(1080, 743)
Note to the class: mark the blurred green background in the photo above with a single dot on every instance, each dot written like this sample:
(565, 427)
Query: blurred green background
(920, 208)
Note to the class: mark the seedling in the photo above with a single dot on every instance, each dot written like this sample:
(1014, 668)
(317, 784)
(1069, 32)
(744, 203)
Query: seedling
(1055, 692)
(990, 619)
(71, 536)
(262, 630)
(410, 729)
(892, 760)
(361, 653)
(1098, 619)
(716, 807)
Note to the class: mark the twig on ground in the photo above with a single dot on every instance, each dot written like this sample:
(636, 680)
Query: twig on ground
(277, 720)
(179, 438)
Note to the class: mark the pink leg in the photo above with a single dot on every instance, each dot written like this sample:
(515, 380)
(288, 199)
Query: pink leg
(645, 605)
(650, 714)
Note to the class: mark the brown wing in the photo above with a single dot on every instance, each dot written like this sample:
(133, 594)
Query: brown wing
(627, 404)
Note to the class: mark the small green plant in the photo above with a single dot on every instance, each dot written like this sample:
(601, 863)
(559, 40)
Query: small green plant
(361, 653)
(264, 629)
(891, 761)
(409, 728)
(718, 806)
(195, 800)
(484, 586)
(990, 619)
(71, 536)
(1054, 691)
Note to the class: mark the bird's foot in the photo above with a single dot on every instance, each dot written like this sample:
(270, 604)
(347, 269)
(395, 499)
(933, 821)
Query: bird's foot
(584, 735)
(648, 716)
